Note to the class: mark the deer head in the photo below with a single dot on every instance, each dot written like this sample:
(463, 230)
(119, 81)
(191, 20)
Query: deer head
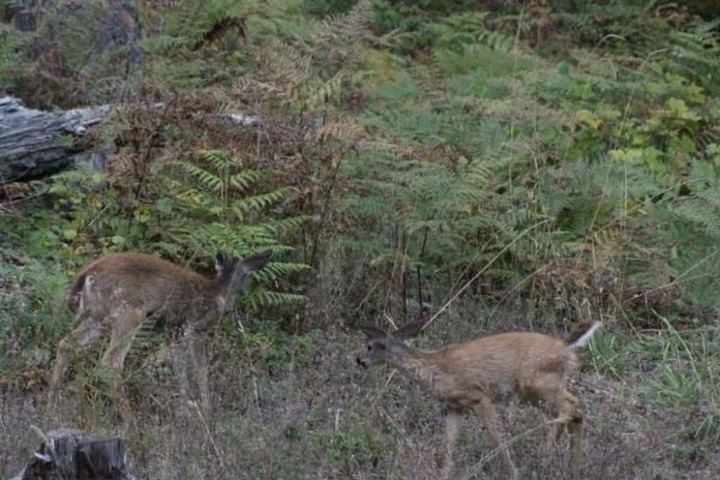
(232, 272)
(385, 347)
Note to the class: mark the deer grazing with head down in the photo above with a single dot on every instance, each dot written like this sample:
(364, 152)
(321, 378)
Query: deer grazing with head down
(119, 292)
(532, 366)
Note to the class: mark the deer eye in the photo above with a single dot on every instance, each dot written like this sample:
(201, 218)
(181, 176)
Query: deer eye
(369, 348)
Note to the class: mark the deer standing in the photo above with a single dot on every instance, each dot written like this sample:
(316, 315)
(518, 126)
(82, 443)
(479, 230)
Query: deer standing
(117, 292)
(532, 366)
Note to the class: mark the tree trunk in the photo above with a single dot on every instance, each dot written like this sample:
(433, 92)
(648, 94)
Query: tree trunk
(68, 453)
(80, 52)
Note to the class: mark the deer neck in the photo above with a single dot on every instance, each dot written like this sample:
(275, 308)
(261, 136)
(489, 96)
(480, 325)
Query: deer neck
(417, 365)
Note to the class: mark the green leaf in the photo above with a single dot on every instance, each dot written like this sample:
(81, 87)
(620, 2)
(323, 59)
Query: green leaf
(164, 205)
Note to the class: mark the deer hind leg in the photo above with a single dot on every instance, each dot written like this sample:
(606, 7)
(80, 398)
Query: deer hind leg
(486, 411)
(125, 324)
(566, 409)
(83, 336)
(452, 422)
(569, 411)
(554, 430)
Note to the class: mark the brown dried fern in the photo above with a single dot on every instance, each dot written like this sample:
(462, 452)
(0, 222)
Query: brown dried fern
(345, 132)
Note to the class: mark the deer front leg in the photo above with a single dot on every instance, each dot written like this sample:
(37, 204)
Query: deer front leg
(452, 423)
(178, 352)
(486, 411)
(199, 359)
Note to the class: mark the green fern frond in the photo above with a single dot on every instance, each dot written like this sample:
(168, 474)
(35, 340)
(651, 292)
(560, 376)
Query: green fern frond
(82, 178)
(460, 30)
(704, 210)
(219, 160)
(225, 237)
(262, 298)
(199, 237)
(163, 44)
(313, 96)
(282, 269)
(366, 206)
(208, 180)
(286, 225)
(245, 179)
(255, 203)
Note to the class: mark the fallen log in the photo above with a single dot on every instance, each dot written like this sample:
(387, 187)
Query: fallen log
(35, 144)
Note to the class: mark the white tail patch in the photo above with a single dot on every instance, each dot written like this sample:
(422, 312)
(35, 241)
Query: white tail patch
(586, 336)
(87, 289)
(220, 303)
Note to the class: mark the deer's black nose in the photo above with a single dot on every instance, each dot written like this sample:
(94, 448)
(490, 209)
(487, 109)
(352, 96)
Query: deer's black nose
(361, 362)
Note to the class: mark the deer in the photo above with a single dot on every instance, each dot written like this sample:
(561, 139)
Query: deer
(119, 292)
(472, 375)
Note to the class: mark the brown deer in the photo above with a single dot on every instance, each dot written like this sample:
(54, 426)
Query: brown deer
(529, 365)
(117, 293)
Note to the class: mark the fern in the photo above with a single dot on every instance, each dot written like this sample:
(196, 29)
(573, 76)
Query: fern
(163, 44)
(11, 63)
(429, 216)
(352, 28)
(702, 208)
(311, 68)
(285, 226)
(219, 205)
(457, 31)
(208, 180)
(268, 298)
(244, 206)
(245, 179)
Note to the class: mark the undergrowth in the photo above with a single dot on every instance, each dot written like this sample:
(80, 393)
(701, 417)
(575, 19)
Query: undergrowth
(515, 166)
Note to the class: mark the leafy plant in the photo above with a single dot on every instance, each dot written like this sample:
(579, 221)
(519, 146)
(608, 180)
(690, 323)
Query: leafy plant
(32, 305)
(328, 7)
(213, 202)
(686, 379)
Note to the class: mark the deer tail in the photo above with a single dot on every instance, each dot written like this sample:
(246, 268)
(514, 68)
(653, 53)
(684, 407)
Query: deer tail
(582, 333)
(76, 292)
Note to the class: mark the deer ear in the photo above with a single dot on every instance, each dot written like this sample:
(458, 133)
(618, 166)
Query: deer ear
(256, 262)
(220, 260)
(410, 330)
(371, 332)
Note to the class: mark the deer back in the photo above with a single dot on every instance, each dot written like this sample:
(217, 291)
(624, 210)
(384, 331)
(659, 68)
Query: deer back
(139, 281)
(150, 284)
(499, 365)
